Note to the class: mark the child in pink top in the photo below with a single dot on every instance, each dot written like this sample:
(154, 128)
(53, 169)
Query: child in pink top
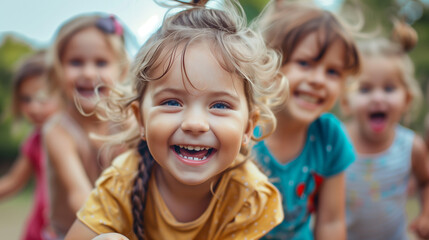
(31, 102)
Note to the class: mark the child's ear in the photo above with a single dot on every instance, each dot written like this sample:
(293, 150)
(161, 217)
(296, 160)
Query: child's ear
(408, 101)
(251, 124)
(135, 106)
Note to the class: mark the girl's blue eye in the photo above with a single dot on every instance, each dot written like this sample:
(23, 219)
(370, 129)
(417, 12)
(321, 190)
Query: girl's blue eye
(364, 89)
(25, 99)
(220, 106)
(76, 62)
(101, 63)
(389, 89)
(333, 72)
(173, 103)
(303, 63)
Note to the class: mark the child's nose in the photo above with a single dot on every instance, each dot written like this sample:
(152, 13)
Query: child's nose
(90, 71)
(317, 77)
(377, 95)
(195, 122)
(35, 107)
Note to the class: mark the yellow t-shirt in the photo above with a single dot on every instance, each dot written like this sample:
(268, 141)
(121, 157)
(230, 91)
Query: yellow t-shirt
(245, 206)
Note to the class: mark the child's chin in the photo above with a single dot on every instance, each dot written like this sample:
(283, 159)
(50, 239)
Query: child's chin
(87, 104)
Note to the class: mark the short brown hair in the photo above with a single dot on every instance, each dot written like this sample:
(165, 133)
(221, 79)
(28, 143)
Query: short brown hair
(32, 66)
(285, 24)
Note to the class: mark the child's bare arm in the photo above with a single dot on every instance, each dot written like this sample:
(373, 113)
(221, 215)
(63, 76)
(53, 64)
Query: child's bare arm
(330, 218)
(420, 168)
(80, 231)
(110, 236)
(16, 178)
(63, 155)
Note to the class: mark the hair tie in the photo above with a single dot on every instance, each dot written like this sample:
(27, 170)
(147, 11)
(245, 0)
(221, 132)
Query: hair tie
(110, 25)
(119, 30)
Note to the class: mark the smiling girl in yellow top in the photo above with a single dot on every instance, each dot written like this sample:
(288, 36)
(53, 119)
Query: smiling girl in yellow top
(196, 84)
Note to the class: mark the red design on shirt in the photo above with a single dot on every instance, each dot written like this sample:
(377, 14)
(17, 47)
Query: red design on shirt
(312, 198)
(300, 189)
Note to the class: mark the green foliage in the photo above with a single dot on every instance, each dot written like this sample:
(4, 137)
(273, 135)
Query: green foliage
(11, 52)
(253, 7)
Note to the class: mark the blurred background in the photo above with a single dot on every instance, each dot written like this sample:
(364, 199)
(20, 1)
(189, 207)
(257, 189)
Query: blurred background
(27, 26)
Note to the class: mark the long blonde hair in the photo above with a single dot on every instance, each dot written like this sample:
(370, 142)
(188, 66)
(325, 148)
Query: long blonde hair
(242, 52)
(285, 24)
(114, 37)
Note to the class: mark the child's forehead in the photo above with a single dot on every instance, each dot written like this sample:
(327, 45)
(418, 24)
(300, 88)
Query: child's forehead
(312, 47)
(381, 64)
(320, 42)
(197, 68)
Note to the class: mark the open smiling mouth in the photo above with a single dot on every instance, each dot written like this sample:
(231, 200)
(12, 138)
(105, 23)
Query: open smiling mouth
(90, 91)
(308, 98)
(193, 153)
(378, 121)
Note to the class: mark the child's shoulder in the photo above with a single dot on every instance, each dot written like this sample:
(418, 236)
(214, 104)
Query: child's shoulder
(126, 162)
(118, 178)
(249, 177)
(57, 134)
(123, 166)
(327, 126)
(404, 131)
(61, 125)
(328, 119)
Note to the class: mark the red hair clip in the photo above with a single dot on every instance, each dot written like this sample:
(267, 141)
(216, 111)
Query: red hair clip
(110, 25)
(118, 27)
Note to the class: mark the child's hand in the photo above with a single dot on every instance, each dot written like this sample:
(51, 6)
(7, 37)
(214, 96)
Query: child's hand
(420, 226)
(110, 236)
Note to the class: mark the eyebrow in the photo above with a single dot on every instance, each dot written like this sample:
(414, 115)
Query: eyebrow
(175, 91)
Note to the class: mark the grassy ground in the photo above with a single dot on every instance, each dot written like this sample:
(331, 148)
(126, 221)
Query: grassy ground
(13, 213)
(413, 207)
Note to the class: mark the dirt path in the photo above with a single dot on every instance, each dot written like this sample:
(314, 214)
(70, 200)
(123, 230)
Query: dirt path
(13, 214)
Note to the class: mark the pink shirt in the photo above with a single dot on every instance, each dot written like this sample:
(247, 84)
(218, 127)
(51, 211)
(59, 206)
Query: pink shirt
(32, 149)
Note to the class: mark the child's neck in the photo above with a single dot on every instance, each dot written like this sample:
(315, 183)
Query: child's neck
(288, 133)
(366, 144)
(185, 202)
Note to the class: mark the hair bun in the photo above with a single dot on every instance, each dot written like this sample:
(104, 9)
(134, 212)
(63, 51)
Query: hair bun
(199, 3)
(405, 35)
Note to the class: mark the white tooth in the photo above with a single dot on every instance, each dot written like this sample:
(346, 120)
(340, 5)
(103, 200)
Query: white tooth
(181, 146)
(308, 98)
(197, 148)
(204, 158)
(190, 148)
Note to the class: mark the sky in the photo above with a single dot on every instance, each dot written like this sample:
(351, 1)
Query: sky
(37, 21)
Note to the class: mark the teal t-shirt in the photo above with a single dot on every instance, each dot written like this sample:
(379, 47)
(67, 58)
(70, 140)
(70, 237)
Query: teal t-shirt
(327, 152)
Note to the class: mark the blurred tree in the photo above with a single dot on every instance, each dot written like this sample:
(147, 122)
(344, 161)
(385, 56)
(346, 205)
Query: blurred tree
(253, 7)
(11, 51)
